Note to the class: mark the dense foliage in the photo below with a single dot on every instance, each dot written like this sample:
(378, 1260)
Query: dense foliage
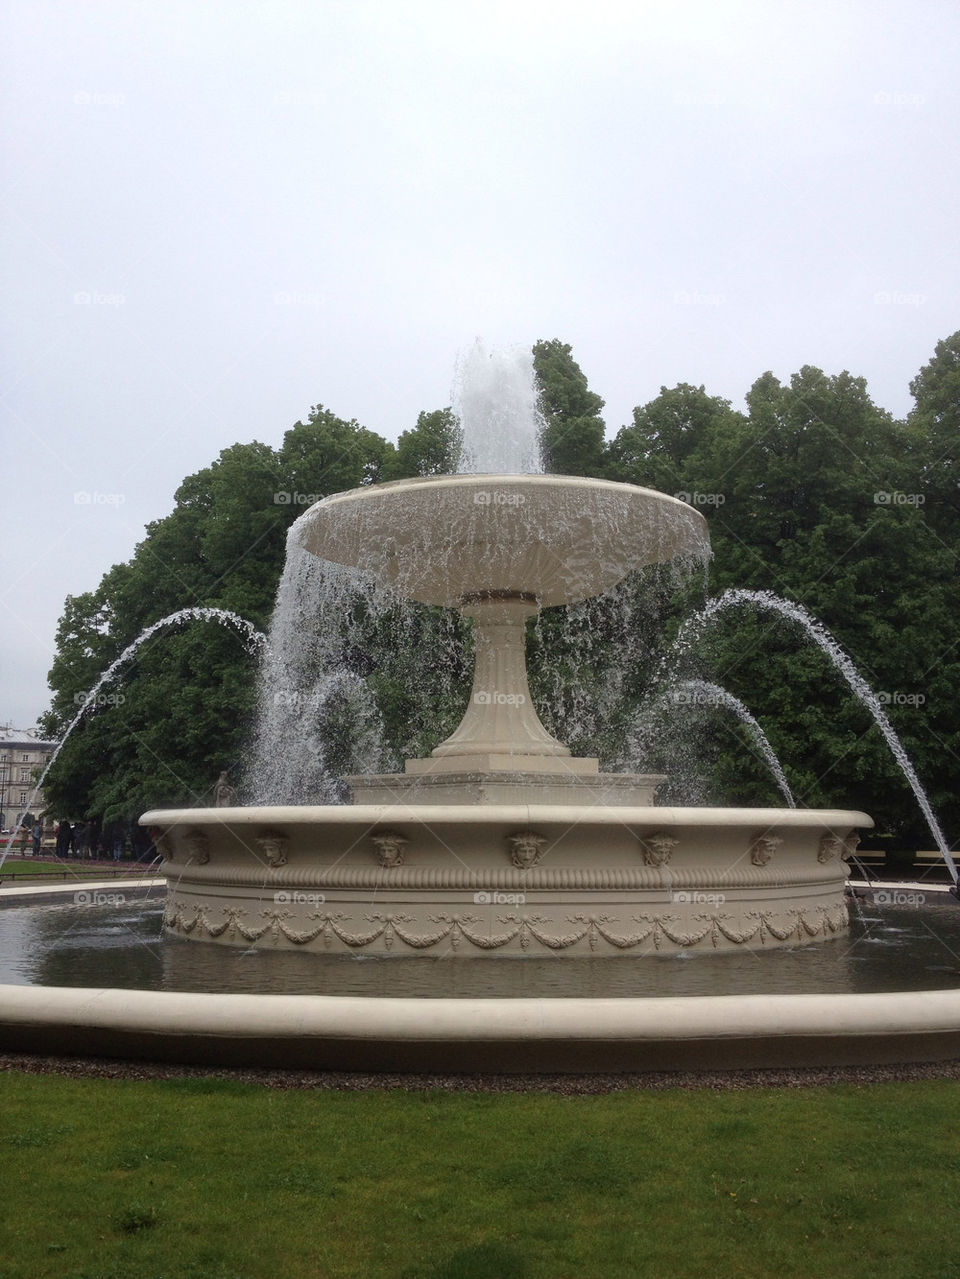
(812, 492)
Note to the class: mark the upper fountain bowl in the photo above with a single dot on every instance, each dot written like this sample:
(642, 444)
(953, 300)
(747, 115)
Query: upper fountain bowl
(554, 538)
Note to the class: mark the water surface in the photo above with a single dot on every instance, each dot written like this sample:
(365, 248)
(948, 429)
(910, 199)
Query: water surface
(888, 948)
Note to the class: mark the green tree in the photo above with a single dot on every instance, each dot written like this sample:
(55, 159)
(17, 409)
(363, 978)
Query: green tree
(327, 455)
(799, 494)
(572, 438)
(656, 450)
(432, 447)
(935, 431)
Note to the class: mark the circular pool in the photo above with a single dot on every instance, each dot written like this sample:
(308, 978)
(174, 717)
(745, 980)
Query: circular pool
(99, 979)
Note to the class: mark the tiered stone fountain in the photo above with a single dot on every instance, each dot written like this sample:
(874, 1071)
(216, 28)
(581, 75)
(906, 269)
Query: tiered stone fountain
(501, 842)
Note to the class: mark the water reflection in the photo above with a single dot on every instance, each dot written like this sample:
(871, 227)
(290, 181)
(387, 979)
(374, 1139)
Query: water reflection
(888, 948)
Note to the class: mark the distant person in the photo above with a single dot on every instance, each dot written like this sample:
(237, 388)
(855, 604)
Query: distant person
(117, 847)
(37, 838)
(63, 840)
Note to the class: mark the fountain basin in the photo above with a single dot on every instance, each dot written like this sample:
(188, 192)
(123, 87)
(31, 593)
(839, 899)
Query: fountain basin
(561, 872)
(506, 879)
(475, 1035)
(556, 539)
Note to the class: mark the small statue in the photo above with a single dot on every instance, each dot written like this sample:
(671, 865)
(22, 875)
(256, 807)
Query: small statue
(223, 793)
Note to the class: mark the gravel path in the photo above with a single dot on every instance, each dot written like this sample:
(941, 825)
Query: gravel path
(564, 1085)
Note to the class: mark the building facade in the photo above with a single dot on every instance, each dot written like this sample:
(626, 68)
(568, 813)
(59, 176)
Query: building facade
(23, 757)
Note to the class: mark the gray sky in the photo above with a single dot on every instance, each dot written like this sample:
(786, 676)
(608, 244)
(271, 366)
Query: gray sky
(217, 214)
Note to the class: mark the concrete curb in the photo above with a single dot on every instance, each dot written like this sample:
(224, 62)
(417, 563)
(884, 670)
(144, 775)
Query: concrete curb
(483, 1035)
(51, 894)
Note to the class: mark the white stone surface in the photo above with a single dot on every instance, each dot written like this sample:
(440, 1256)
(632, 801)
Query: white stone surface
(559, 538)
(556, 1035)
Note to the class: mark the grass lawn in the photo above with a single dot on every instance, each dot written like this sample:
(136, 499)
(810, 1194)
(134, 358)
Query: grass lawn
(16, 865)
(210, 1179)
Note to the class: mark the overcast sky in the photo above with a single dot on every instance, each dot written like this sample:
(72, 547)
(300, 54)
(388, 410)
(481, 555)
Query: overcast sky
(218, 214)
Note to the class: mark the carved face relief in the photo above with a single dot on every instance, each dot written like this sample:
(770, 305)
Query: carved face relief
(273, 844)
(526, 849)
(197, 843)
(831, 846)
(164, 846)
(763, 848)
(390, 848)
(850, 845)
(657, 849)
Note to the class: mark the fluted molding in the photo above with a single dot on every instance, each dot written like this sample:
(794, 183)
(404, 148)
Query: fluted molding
(545, 878)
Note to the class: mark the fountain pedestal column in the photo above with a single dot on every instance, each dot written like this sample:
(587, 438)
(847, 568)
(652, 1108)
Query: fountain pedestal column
(500, 753)
(501, 729)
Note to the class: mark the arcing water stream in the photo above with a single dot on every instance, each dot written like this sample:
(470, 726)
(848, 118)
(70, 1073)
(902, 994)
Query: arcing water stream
(692, 629)
(252, 638)
(698, 692)
(320, 613)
